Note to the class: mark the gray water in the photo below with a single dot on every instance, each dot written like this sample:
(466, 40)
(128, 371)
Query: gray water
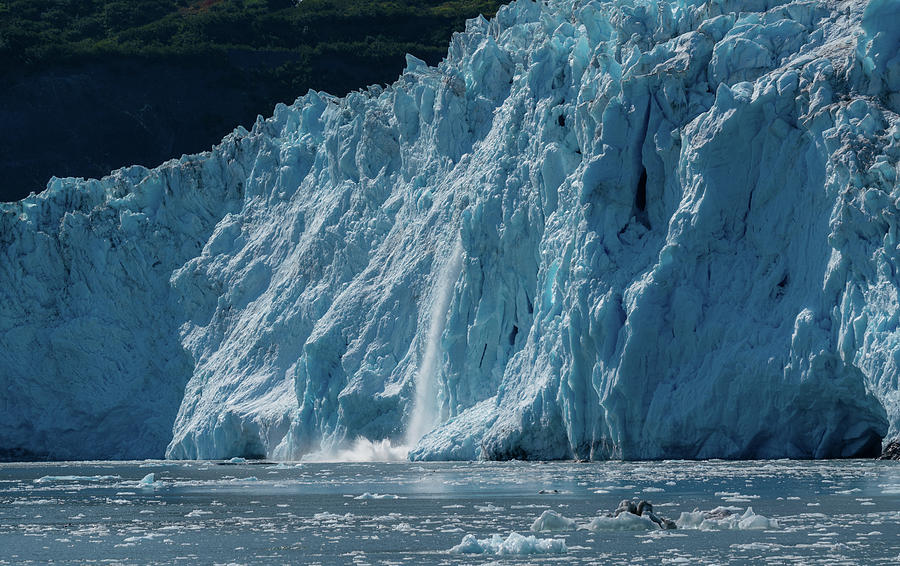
(319, 513)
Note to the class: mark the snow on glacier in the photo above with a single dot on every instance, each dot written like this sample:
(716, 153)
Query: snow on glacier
(598, 229)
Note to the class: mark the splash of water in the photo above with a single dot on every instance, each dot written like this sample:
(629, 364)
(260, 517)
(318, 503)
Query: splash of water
(424, 413)
(363, 450)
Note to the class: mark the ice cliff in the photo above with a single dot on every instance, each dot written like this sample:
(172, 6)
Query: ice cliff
(598, 229)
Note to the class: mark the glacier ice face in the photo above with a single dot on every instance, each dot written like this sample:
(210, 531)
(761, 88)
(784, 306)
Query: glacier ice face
(651, 229)
(91, 362)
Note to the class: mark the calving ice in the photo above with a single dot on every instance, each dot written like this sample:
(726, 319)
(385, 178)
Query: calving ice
(598, 229)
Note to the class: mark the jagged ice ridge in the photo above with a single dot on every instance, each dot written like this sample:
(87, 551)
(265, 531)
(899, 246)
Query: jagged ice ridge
(654, 229)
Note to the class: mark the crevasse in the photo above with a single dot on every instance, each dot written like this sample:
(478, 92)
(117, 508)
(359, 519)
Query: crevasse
(678, 224)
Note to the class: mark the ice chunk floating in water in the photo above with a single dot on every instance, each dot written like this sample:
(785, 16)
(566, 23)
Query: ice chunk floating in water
(513, 544)
(598, 229)
(552, 521)
(622, 522)
(725, 518)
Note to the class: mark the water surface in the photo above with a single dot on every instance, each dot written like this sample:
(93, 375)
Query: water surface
(410, 513)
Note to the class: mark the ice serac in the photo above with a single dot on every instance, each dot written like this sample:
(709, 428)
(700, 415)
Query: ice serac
(602, 229)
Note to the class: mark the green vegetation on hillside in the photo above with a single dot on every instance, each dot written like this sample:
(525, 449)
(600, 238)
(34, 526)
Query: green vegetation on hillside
(35, 33)
(91, 85)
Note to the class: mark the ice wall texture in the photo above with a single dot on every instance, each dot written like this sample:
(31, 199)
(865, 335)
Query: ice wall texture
(661, 229)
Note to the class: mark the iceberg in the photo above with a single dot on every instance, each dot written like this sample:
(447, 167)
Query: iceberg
(514, 544)
(598, 229)
(725, 518)
(552, 521)
(621, 522)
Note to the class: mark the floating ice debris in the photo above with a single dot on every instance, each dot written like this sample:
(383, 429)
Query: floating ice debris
(196, 513)
(735, 497)
(155, 464)
(148, 536)
(150, 481)
(368, 495)
(552, 521)
(489, 508)
(624, 522)
(49, 479)
(514, 544)
(725, 518)
(328, 517)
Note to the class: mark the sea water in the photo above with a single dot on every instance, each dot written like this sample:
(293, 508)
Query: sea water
(836, 512)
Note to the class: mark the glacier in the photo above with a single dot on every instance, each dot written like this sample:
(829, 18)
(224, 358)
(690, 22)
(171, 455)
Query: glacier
(632, 229)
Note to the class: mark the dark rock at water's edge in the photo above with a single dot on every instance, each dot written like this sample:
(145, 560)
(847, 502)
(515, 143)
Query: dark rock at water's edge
(891, 451)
